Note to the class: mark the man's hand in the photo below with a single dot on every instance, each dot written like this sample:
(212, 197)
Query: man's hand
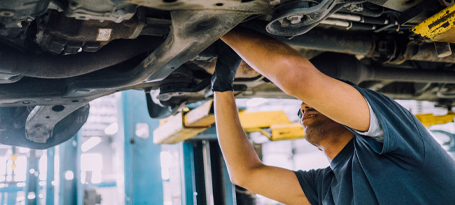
(226, 66)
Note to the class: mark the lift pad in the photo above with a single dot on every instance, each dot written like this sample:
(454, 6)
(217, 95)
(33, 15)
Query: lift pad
(429, 120)
(287, 132)
(184, 126)
(281, 128)
(440, 27)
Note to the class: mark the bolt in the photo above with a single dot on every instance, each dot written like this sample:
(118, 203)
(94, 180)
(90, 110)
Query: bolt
(274, 2)
(296, 19)
(284, 23)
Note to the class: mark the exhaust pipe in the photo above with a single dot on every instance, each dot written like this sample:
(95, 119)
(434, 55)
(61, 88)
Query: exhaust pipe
(347, 67)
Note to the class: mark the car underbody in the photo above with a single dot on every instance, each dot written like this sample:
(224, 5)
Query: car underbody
(56, 56)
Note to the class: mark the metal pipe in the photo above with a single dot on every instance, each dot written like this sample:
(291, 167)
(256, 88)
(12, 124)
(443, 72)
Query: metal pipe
(348, 25)
(58, 66)
(336, 23)
(349, 42)
(358, 18)
(349, 17)
(347, 67)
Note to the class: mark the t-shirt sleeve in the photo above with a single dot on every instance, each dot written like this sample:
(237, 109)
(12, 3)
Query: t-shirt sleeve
(375, 130)
(402, 131)
(314, 183)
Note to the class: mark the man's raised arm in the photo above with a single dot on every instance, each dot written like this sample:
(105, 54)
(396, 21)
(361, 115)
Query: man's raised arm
(245, 168)
(295, 75)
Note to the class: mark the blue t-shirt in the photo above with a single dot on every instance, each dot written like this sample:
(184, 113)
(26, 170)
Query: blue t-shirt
(408, 167)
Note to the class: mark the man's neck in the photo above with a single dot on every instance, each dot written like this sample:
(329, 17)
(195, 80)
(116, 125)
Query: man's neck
(333, 144)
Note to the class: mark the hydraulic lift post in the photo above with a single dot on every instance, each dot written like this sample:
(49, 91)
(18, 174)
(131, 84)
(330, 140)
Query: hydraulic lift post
(141, 157)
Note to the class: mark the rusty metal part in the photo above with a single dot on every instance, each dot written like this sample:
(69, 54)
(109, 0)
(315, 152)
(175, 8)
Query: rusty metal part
(426, 52)
(41, 121)
(58, 33)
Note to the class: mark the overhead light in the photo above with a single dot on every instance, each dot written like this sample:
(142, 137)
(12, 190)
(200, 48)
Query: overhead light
(31, 195)
(69, 175)
(142, 130)
(255, 102)
(111, 129)
(90, 143)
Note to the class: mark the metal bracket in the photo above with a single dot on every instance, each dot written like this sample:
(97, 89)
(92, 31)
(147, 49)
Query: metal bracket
(42, 120)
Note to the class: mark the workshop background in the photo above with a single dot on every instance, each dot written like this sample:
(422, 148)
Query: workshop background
(113, 159)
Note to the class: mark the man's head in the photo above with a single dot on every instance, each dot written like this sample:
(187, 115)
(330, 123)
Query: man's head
(317, 126)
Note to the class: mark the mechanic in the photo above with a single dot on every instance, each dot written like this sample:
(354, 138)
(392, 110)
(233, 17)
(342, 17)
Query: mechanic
(379, 152)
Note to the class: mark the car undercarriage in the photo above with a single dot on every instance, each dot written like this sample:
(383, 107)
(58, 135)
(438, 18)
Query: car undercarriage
(58, 55)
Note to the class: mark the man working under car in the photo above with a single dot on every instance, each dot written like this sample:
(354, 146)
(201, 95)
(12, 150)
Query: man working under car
(379, 153)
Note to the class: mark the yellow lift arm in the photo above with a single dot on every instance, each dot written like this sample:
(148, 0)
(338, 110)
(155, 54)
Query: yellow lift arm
(440, 27)
(429, 120)
(275, 125)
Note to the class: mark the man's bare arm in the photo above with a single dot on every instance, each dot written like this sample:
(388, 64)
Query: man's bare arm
(296, 76)
(244, 166)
